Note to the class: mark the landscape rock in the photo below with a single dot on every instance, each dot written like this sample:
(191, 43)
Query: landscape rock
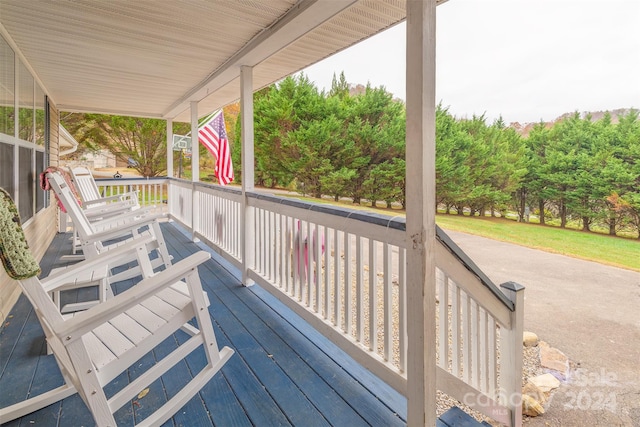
(546, 382)
(529, 339)
(531, 407)
(535, 392)
(552, 358)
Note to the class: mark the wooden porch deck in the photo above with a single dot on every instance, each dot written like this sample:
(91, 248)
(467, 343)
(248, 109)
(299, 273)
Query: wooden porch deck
(283, 371)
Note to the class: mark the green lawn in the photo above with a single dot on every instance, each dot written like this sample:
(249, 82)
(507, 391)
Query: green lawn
(617, 251)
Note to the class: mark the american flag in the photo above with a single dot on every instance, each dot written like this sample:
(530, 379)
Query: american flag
(213, 135)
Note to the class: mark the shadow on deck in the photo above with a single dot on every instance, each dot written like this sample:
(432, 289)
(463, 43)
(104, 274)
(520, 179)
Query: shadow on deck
(283, 372)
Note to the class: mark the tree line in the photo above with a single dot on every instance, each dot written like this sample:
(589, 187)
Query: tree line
(351, 144)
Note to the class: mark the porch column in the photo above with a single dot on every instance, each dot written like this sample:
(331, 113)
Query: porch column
(170, 148)
(195, 152)
(420, 194)
(195, 168)
(248, 174)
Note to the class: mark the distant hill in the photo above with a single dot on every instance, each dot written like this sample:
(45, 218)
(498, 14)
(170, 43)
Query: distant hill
(524, 128)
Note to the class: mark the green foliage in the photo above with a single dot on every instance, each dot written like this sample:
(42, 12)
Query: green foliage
(328, 144)
(142, 140)
(344, 144)
(587, 171)
(478, 166)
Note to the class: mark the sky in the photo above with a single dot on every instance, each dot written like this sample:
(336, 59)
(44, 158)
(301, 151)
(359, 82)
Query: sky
(524, 60)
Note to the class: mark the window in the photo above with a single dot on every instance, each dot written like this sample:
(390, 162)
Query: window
(41, 195)
(39, 116)
(6, 167)
(26, 107)
(7, 88)
(26, 183)
(23, 136)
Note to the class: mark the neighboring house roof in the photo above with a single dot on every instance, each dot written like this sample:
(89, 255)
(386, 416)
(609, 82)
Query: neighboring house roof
(152, 59)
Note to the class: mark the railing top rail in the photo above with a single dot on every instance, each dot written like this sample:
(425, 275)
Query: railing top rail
(128, 179)
(217, 187)
(397, 223)
(472, 267)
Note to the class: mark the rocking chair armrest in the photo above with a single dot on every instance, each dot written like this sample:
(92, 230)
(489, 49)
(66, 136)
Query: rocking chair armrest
(99, 204)
(133, 194)
(62, 278)
(124, 198)
(119, 231)
(128, 197)
(74, 328)
(133, 216)
(108, 210)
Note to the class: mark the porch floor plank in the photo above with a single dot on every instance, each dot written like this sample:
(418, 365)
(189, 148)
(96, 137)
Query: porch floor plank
(282, 373)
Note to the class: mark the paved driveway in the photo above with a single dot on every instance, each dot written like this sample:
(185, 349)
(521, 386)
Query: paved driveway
(589, 311)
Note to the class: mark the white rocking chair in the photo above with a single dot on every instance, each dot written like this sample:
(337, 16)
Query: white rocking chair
(94, 346)
(95, 206)
(90, 194)
(98, 237)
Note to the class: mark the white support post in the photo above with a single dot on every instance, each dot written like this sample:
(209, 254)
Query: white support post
(248, 172)
(195, 144)
(170, 148)
(420, 195)
(511, 354)
(195, 167)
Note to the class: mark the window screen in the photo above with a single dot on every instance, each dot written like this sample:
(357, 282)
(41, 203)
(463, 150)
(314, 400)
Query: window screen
(6, 167)
(7, 88)
(26, 183)
(40, 193)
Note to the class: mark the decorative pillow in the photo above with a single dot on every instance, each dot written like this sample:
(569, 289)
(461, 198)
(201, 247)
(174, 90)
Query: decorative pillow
(14, 251)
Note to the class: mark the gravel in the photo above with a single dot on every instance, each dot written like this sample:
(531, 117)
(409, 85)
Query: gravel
(530, 368)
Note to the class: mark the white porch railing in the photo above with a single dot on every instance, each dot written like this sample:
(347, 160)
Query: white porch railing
(343, 271)
(152, 192)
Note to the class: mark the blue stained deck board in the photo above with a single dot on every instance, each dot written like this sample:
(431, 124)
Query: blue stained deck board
(349, 395)
(283, 372)
(258, 364)
(329, 361)
(267, 366)
(11, 331)
(316, 342)
(456, 417)
(18, 373)
(225, 409)
(46, 378)
(337, 398)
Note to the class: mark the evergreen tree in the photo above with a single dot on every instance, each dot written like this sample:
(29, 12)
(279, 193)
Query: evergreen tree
(536, 190)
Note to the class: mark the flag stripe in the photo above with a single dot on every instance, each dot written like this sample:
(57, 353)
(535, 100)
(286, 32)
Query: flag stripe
(213, 135)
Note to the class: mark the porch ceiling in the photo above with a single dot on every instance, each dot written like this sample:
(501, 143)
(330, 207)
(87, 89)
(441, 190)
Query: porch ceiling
(152, 58)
